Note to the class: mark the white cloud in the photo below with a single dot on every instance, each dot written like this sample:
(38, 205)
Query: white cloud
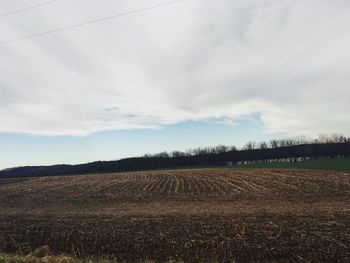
(286, 60)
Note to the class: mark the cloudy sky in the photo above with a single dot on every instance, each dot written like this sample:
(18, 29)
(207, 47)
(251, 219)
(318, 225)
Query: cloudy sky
(190, 73)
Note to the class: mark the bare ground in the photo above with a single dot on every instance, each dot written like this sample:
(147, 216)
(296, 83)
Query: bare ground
(194, 215)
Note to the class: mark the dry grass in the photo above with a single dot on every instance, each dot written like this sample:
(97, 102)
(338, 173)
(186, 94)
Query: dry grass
(42, 255)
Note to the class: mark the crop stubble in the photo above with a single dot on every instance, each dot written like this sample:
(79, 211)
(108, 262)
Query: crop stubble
(196, 215)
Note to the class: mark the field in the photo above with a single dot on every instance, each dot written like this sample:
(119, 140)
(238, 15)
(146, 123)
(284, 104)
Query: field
(195, 215)
(342, 164)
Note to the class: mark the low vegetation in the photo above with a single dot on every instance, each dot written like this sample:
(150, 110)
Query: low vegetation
(40, 255)
(341, 164)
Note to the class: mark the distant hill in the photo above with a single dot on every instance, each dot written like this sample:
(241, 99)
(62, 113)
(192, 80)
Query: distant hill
(286, 154)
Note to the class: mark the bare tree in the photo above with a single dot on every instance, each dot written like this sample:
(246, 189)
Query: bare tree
(175, 154)
(263, 145)
(273, 144)
(250, 146)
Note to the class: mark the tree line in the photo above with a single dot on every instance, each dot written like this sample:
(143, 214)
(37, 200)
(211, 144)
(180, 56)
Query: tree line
(281, 150)
(252, 145)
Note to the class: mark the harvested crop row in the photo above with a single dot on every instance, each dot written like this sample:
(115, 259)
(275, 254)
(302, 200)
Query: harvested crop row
(187, 185)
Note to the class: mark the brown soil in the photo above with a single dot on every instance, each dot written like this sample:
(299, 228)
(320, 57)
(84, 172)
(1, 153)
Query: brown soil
(197, 215)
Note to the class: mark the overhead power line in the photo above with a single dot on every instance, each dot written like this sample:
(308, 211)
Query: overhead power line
(28, 7)
(90, 22)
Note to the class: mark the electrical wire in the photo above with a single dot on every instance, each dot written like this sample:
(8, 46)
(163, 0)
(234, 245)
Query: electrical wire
(90, 22)
(27, 8)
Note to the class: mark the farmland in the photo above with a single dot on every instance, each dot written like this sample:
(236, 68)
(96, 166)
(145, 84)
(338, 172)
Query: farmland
(241, 215)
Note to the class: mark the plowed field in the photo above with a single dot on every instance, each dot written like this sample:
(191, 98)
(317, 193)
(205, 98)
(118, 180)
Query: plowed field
(194, 215)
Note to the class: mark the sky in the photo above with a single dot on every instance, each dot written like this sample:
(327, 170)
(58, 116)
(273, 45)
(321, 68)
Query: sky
(185, 74)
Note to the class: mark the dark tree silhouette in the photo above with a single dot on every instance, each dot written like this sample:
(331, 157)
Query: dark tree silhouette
(282, 150)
